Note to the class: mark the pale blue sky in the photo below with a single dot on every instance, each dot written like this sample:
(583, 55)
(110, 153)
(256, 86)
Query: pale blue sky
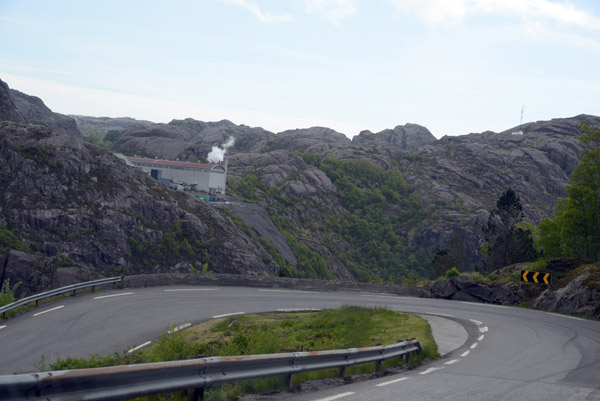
(454, 66)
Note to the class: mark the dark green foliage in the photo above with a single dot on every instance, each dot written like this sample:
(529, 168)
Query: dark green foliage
(381, 209)
(311, 158)
(452, 273)
(310, 263)
(447, 258)
(177, 244)
(246, 188)
(575, 231)
(507, 244)
(8, 241)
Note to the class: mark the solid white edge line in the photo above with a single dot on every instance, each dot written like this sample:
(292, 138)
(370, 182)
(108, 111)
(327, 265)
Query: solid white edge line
(114, 295)
(299, 310)
(569, 317)
(48, 310)
(465, 353)
(451, 362)
(228, 314)
(383, 296)
(294, 291)
(474, 346)
(475, 303)
(480, 338)
(192, 289)
(477, 322)
(139, 347)
(2, 327)
(180, 327)
(391, 382)
(430, 370)
(335, 397)
(439, 314)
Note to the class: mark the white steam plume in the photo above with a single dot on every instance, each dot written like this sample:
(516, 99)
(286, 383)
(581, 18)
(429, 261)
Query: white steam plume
(217, 154)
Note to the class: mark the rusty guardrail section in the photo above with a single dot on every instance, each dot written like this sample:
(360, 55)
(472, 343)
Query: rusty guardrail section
(130, 381)
(58, 291)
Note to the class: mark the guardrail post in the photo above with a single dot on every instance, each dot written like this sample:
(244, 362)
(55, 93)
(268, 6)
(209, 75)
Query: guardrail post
(74, 292)
(93, 288)
(378, 367)
(342, 372)
(287, 380)
(196, 394)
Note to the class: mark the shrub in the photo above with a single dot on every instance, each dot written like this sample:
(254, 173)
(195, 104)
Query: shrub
(452, 273)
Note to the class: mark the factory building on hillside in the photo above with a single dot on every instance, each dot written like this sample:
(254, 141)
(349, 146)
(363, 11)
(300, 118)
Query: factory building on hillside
(209, 178)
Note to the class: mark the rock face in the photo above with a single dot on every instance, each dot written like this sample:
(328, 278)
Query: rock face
(78, 205)
(409, 137)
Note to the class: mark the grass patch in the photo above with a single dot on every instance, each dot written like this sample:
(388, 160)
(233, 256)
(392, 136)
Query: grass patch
(348, 327)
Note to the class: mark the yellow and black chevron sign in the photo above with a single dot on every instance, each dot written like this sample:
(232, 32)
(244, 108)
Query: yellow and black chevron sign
(536, 277)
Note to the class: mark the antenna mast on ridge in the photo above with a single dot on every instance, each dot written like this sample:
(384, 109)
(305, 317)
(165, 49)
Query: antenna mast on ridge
(520, 131)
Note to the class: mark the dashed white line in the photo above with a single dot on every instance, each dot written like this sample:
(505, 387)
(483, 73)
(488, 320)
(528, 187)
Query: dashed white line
(180, 327)
(430, 370)
(114, 295)
(2, 327)
(477, 322)
(139, 347)
(294, 291)
(228, 314)
(452, 362)
(480, 338)
(48, 310)
(474, 346)
(335, 397)
(465, 353)
(391, 382)
(192, 289)
(483, 329)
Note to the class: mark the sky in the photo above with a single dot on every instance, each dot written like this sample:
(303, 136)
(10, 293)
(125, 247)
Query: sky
(453, 66)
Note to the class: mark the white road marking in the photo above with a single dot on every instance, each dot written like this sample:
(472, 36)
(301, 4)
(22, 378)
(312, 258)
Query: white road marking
(299, 310)
(48, 310)
(430, 370)
(2, 327)
(452, 362)
(477, 322)
(439, 314)
(139, 347)
(180, 327)
(483, 329)
(567, 316)
(192, 289)
(465, 353)
(228, 314)
(382, 296)
(391, 382)
(114, 295)
(480, 338)
(476, 303)
(474, 346)
(294, 291)
(335, 397)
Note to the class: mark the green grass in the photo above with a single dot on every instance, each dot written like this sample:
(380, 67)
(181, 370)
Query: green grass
(348, 327)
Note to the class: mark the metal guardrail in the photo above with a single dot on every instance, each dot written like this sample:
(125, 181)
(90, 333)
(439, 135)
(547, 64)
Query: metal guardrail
(130, 381)
(58, 291)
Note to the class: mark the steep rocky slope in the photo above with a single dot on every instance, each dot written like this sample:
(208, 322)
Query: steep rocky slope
(75, 204)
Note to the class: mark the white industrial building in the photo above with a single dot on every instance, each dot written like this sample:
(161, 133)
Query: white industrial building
(205, 177)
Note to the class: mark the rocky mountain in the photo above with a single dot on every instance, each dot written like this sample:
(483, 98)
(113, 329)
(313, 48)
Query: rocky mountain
(305, 202)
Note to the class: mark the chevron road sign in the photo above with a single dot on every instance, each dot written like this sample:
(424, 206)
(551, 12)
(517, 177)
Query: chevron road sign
(536, 277)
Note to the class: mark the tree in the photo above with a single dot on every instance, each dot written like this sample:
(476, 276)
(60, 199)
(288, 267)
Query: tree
(505, 242)
(575, 231)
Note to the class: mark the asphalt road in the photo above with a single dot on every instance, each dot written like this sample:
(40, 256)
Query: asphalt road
(511, 353)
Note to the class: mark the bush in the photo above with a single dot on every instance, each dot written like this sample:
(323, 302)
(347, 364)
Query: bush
(452, 273)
